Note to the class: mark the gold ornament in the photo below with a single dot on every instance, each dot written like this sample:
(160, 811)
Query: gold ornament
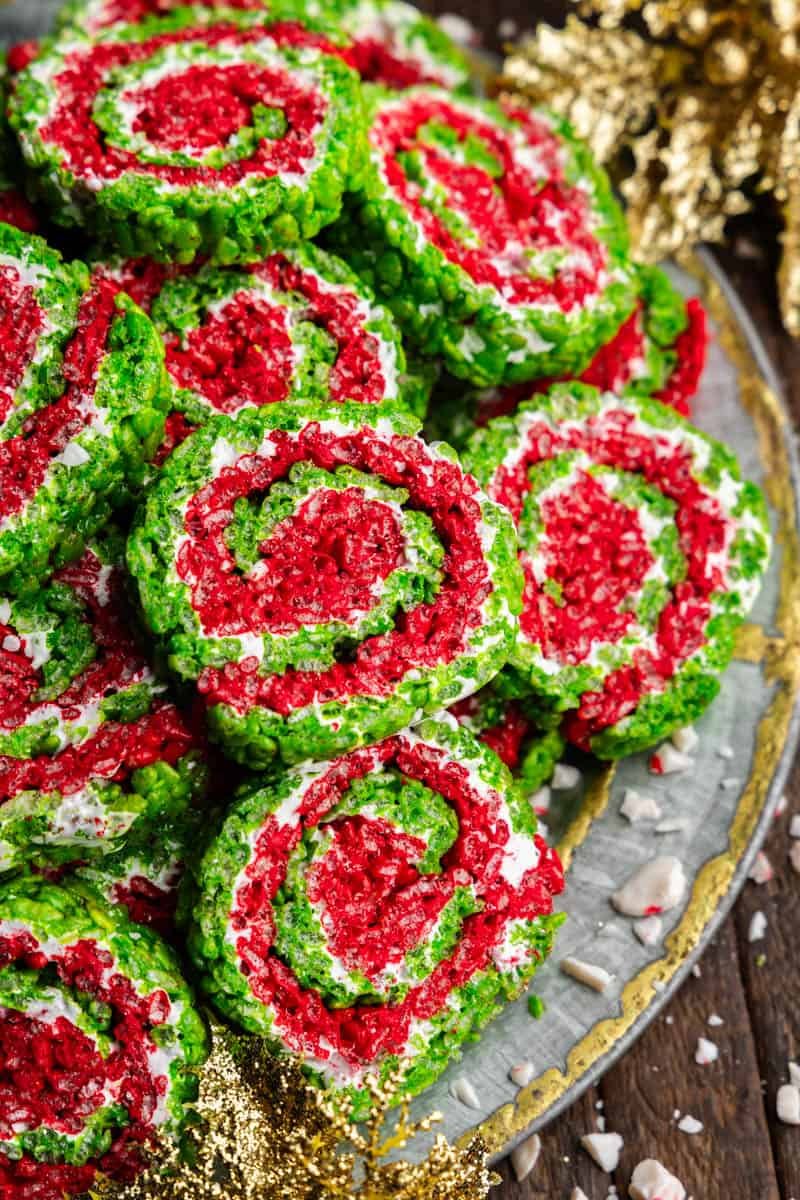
(695, 118)
(265, 1133)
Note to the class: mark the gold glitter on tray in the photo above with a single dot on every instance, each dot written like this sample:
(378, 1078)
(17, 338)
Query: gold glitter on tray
(694, 119)
(265, 1133)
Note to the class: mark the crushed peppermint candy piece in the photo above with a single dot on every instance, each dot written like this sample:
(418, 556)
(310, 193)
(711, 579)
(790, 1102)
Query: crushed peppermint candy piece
(604, 1148)
(761, 870)
(758, 927)
(794, 856)
(715, 1020)
(782, 805)
(565, 777)
(674, 825)
(578, 1194)
(652, 1181)
(462, 31)
(668, 760)
(690, 1125)
(586, 973)
(507, 29)
(462, 1089)
(648, 930)
(697, 971)
(788, 1104)
(524, 1157)
(685, 740)
(726, 752)
(731, 782)
(540, 800)
(522, 1074)
(706, 1052)
(656, 887)
(637, 807)
(794, 826)
(794, 1074)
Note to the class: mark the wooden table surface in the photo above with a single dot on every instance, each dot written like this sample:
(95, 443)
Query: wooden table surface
(744, 1152)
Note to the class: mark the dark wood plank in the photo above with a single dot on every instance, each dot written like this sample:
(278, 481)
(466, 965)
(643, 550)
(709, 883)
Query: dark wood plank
(773, 987)
(731, 1157)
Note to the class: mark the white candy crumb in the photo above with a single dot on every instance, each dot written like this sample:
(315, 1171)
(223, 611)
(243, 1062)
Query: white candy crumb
(639, 808)
(604, 1148)
(715, 1021)
(658, 985)
(11, 643)
(461, 1089)
(794, 1074)
(600, 1121)
(586, 973)
(690, 1125)
(696, 971)
(458, 28)
(794, 826)
(652, 1181)
(655, 887)
(725, 752)
(668, 761)
(761, 870)
(730, 783)
(540, 800)
(706, 1052)
(685, 740)
(675, 825)
(794, 856)
(507, 29)
(565, 777)
(782, 805)
(522, 1074)
(525, 1156)
(758, 927)
(599, 1105)
(578, 1194)
(648, 930)
(788, 1104)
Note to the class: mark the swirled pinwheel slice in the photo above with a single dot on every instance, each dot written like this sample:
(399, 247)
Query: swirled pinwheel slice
(377, 910)
(98, 1040)
(324, 575)
(503, 724)
(490, 233)
(83, 399)
(91, 748)
(642, 550)
(396, 45)
(659, 350)
(178, 138)
(298, 326)
(100, 17)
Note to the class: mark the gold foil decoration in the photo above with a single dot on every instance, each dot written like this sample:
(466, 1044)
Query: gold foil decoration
(693, 107)
(264, 1132)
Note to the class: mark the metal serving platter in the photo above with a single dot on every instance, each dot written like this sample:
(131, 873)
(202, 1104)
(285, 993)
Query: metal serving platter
(583, 1032)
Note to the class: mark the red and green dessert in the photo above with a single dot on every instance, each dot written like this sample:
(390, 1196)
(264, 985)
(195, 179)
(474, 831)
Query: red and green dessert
(659, 350)
(642, 550)
(15, 209)
(376, 912)
(324, 575)
(504, 725)
(98, 17)
(396, 45)
(82, 405)
(491, 234)
(298, 326)
(99, 1041)
(91, 748)
(177, 138)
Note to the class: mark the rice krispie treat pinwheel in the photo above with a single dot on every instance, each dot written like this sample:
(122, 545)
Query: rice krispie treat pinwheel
(642, 551)
(324, 575)
(491, 233)
(98, 1040)
(503, 724)
(91, 748)
(659, 350)
(83, 399)
(177, 137)
(298, 326)
(396, 45)
(377, 910)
